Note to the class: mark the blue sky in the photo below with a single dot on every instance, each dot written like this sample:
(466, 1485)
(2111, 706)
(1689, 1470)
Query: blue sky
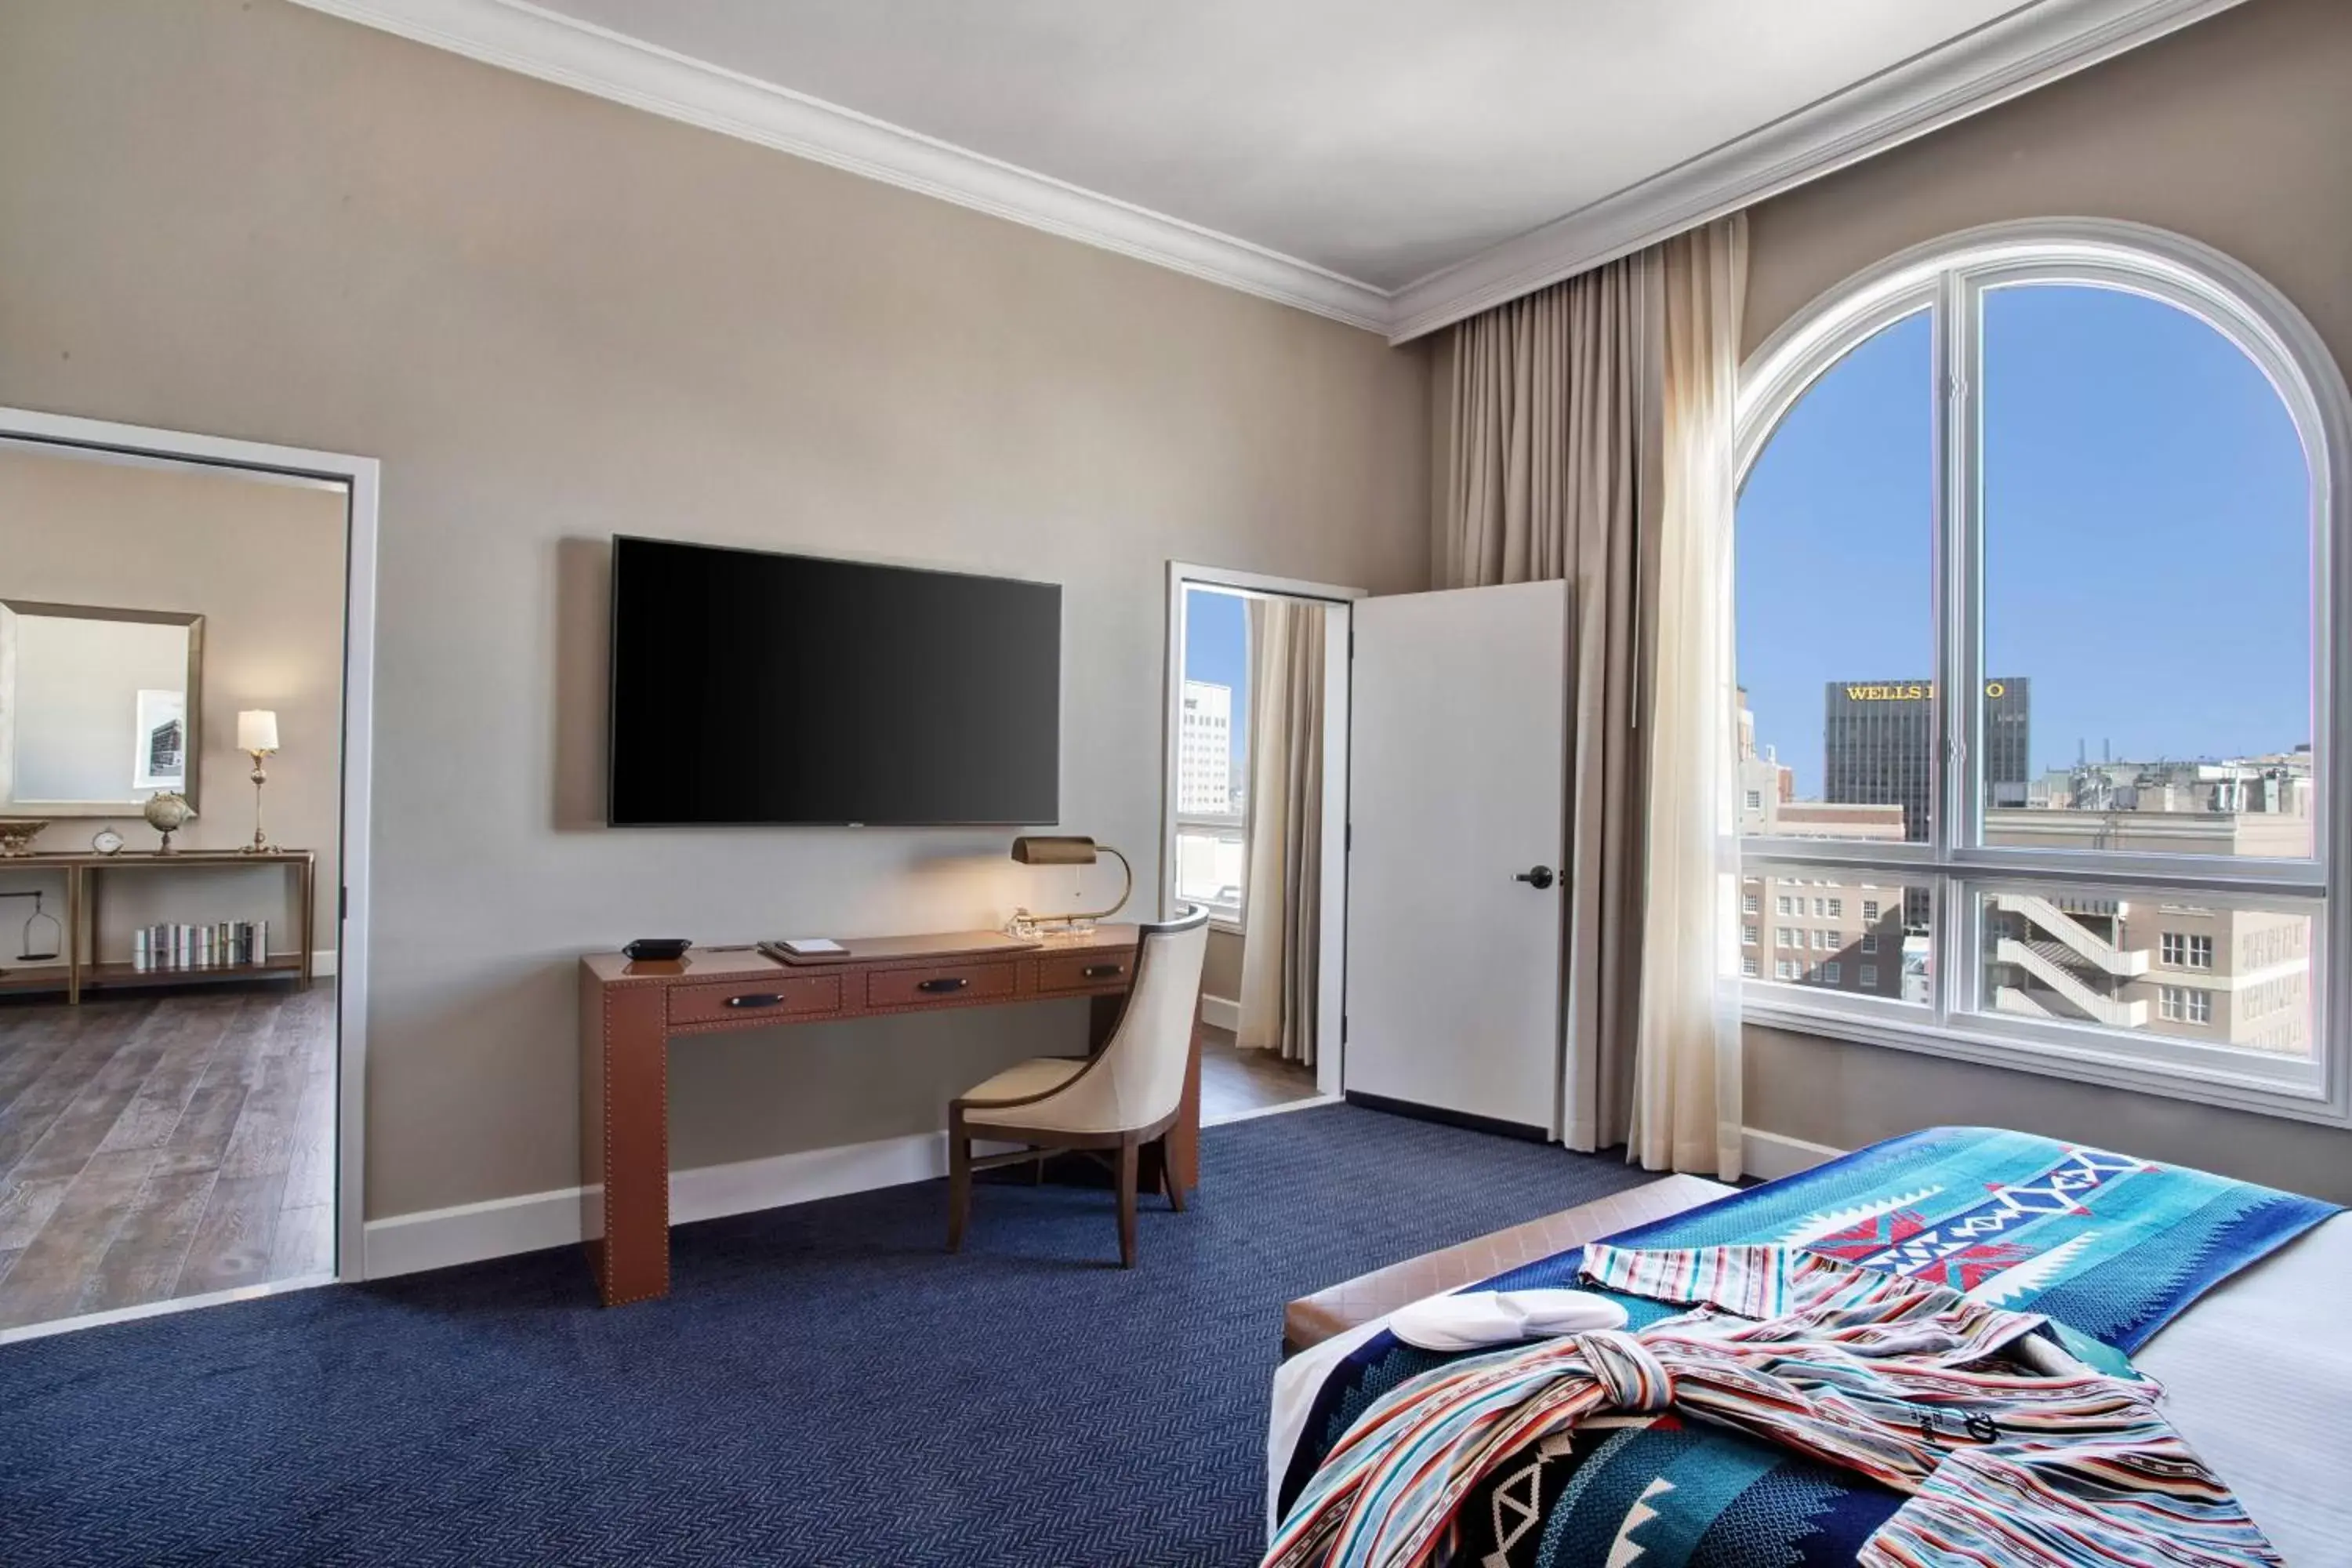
(1216, 649)
(2146, 535)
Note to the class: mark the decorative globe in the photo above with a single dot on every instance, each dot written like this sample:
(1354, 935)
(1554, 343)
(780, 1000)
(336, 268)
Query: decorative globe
(167, 814)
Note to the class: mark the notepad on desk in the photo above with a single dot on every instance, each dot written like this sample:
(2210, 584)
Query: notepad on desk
(810, 946)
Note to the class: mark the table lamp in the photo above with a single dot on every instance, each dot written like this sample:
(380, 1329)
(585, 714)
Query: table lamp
(1067, 851)
(256, 737)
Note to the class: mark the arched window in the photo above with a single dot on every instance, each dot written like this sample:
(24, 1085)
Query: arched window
(2088, 474)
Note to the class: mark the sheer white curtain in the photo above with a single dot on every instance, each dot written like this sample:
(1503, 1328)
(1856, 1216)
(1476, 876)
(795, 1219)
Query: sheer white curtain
(1284, 875)
(1686, 1094)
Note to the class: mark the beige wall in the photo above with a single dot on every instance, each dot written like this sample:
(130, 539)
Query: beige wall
(263, 563)
(553, 318)
(1222, 974)
(2234, 132)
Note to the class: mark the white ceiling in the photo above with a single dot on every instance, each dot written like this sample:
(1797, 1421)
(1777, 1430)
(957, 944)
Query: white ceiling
(1394, 164)
(1381, 140)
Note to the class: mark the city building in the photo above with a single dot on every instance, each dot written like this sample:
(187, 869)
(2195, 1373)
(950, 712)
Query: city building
(1204, 750)
(1804, 930)
(1841, 935)
(2167, 966)
(1879, 744)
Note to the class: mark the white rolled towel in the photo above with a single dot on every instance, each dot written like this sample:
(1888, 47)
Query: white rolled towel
(1476, 1318)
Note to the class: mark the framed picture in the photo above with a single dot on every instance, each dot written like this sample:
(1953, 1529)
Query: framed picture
(162, 742)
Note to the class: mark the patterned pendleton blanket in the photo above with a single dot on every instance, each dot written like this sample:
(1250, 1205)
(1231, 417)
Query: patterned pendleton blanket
(2108, 1246)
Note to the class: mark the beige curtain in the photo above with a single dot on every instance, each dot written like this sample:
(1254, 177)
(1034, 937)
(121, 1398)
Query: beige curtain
(1284, 875)
(1550, 415)
(1589, 437)
(1686, 1108)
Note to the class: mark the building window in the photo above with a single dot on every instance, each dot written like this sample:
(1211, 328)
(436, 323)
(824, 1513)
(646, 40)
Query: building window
(1932, 459)
(1749, 904)
(1755, 800)
(1750, 968)
(2183, 951)
(1866, 975)
(1747, 935)
(2186, 1005)
(1829, 973)
(1785, 969)
(1787, 905)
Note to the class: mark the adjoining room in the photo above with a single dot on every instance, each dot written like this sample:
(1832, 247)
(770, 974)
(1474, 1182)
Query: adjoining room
(1255, 825)
(171, 743)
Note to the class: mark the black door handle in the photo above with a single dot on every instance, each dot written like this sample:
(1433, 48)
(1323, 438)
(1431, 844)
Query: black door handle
(767, 999)
(1539, 878)
(947, 982)
(1101, 971)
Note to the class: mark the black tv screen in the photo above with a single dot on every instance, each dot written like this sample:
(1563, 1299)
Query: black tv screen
(750, 687)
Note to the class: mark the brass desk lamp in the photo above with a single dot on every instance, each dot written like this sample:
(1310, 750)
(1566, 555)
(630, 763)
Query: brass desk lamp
(1067, 851)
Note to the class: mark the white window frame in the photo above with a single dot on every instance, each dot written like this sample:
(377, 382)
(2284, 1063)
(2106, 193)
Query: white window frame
(1949, 279)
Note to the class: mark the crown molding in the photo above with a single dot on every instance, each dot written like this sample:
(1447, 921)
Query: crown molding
(2027, 49)
(575, 54)
(2040, 42)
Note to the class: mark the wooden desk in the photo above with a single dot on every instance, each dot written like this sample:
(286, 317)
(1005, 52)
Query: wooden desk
(630, 1011)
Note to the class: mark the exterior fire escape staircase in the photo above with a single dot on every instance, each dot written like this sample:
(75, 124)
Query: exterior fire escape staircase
(2077, 968)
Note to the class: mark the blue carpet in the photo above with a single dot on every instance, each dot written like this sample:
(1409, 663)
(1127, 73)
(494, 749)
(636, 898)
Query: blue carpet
(823, 1386)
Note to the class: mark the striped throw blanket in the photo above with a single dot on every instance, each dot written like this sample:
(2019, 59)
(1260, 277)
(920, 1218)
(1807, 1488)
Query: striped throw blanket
(2105, 1247)
(2012, 1454)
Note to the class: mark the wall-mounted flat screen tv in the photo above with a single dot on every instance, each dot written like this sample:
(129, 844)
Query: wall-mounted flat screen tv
(756, 689)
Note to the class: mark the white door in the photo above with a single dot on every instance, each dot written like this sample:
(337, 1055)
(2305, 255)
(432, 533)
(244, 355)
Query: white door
(1458, 813)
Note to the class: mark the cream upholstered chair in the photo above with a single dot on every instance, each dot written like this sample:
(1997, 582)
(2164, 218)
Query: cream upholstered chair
(1121, 1099)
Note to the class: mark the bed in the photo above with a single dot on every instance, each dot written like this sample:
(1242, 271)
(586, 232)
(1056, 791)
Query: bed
(2238, 1298)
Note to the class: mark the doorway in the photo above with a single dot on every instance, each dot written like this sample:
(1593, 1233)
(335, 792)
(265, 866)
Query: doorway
(1254, 827)
(185, 627)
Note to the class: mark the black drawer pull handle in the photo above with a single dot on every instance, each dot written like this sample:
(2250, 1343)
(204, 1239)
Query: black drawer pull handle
(757, 999)
(949, 983)
(1101, 971)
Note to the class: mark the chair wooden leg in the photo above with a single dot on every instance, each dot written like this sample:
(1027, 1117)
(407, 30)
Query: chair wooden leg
(1128, 1162)
(1159, 1174)
(959, 1186)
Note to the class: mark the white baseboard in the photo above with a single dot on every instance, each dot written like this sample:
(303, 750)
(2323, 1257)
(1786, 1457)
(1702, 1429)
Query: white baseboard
(1773, 1155)
(322, 963)
(436, 1238)
(1221, 1012)
(468, 1232)
(1255, 1111)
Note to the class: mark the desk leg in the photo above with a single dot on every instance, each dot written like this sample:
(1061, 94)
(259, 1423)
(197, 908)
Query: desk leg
(625, 1140)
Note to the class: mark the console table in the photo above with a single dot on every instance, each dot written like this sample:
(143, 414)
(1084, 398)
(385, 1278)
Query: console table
(83, 871)
(630, 1011)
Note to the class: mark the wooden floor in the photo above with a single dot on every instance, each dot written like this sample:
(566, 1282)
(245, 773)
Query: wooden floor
(1233, 1080)
(163, 1145)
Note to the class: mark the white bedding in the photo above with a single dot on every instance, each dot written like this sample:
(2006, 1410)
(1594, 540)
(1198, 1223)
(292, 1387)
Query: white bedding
(2257, 1377)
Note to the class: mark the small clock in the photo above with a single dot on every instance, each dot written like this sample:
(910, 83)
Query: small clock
(106, 842)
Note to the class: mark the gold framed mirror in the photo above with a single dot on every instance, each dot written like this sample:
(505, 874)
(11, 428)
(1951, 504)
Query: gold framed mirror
(101, 710)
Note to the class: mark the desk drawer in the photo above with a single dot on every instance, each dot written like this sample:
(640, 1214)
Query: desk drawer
(1110, 969)
(940, 986)
(754, 997)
